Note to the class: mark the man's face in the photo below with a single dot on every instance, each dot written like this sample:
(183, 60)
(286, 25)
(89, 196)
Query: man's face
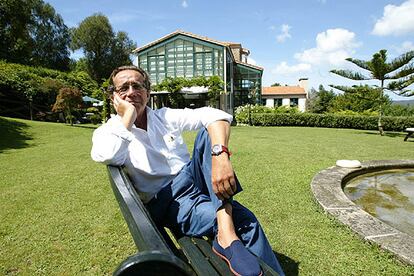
(129, 85)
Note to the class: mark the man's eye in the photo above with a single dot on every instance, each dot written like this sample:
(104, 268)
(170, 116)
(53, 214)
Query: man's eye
(137, 86)
(124, 88)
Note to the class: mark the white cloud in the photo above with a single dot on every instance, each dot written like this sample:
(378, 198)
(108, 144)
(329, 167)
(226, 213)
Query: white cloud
(332, 48)
(285, 33)
(272, 28)
(284, 69)
(405, 47)
(184, 4)
(397, 20)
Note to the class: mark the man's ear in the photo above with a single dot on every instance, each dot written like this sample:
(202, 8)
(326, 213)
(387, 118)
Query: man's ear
(111, 89)
(148, 96)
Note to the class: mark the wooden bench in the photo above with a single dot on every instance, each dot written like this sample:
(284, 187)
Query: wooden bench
(160, 253)
(410, 132)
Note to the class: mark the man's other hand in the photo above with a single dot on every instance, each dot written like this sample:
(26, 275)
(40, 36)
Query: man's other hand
(222, 176)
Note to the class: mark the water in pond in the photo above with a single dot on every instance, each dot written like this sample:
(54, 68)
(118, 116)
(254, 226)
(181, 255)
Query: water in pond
(387, 195)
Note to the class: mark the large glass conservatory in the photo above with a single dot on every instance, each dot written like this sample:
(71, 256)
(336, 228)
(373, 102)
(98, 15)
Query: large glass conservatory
(182, 54)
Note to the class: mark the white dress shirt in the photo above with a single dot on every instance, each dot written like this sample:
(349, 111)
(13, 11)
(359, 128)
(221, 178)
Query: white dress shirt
(152, 158)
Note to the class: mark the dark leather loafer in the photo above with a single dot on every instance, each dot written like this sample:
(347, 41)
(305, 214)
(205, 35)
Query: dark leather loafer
(241, 262)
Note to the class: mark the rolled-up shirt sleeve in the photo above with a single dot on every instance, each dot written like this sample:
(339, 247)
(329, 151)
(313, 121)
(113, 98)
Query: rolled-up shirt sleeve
(110, 142)
(193, 119)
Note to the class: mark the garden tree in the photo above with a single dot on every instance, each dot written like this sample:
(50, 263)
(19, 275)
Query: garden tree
(275, 84)
(174, 86)
(362, 98)
(67, 100)
(399, 72)
(104, 50)
(32, 33)
(79, 65)
(320, 100)
(215, 88)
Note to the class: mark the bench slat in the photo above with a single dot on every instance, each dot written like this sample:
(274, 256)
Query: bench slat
(198, 261)
(215, 260)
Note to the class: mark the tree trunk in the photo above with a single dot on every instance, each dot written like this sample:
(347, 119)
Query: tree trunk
(380, 126)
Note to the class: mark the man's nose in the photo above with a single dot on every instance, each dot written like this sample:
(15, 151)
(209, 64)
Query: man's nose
(130, 90)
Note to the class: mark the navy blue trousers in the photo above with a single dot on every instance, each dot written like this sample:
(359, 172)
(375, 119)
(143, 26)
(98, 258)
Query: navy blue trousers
(188, 205)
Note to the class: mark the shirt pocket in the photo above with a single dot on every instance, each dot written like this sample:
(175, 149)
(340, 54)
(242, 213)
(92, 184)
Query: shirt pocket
(173, 141)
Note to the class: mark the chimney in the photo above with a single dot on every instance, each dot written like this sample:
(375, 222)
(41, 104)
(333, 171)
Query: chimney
(245, 53)
(303, 82)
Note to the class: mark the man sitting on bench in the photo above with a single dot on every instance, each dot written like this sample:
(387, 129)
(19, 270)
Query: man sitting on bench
(191, 197)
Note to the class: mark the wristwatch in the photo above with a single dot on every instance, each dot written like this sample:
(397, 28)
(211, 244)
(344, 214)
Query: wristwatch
(218, 149)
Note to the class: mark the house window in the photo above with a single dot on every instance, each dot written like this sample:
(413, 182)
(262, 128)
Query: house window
(294, 102)
(277, 102)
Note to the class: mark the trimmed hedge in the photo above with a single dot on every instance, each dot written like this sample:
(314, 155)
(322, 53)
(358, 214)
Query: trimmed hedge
(331, 121)
(22, 87)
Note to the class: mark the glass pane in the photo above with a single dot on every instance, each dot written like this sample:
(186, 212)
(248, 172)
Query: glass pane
(198, 48)
(161, 50)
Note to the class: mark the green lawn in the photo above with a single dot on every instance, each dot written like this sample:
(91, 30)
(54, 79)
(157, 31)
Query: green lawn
(59, 216)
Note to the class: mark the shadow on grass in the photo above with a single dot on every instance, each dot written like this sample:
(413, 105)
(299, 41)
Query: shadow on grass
(289, 266)
(13, 135)
(386, 133)
(87, 126)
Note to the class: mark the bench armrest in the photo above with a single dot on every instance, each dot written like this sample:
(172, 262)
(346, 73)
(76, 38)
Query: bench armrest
(140, 224)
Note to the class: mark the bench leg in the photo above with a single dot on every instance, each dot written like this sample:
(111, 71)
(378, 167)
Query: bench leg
(408, 135)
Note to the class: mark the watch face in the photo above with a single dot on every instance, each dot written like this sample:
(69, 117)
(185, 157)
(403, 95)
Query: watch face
(216, 149)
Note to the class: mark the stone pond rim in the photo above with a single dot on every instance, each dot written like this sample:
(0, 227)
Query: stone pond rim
(327, 188)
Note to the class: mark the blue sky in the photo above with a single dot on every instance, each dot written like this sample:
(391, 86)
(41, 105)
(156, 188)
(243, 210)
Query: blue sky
(289, 39)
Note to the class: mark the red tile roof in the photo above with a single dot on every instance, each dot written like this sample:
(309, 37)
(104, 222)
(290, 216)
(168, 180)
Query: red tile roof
(283, 90)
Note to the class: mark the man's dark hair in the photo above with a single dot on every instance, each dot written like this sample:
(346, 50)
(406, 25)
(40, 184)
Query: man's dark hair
(147, 82)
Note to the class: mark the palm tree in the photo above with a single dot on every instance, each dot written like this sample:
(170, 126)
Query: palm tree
(400, 73)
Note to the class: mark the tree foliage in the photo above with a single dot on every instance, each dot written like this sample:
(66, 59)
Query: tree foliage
(67, 100)
(32, 33)
(20, 84)
(175, 85)
(104, 50)
(320, 101)
(360, 99)
(399, 74)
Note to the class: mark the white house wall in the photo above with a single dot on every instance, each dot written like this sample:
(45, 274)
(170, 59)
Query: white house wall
(286, 101)
(270, 102)
(302, 104)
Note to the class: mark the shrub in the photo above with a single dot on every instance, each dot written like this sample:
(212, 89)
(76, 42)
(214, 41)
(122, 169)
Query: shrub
(21, 84)
(367, 112)
(96, 119)
(399, 110)
(70, 119)
(331, 121)
(92, 110)
(242, 112)
(67, 100)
